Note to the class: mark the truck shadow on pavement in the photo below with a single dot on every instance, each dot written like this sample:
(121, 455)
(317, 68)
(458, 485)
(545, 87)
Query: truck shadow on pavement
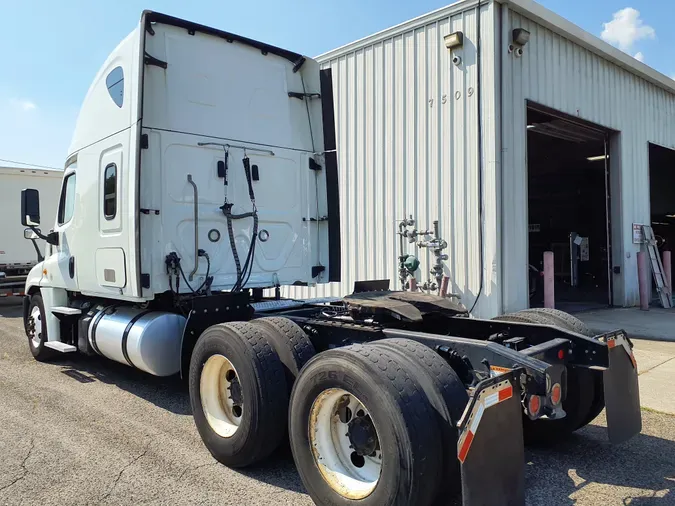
(169, 393)
(641, 470)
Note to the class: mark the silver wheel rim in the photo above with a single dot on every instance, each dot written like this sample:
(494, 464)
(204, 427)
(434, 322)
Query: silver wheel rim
(221, 396)
(331, 420)
(36, 320)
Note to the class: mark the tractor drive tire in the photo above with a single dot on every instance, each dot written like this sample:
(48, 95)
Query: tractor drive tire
(290, 342)
(362, 430)
(581, 391)
(238, 393)
(569, 322)
(577, 406)
(445, 392)
(513, 318)
(36, 330)
(565, 320)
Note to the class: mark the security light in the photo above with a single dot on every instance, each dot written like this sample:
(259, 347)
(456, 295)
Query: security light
(521, 36)
(454, 40)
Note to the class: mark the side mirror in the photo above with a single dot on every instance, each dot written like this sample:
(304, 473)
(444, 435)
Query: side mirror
(31, 234)
(30, 207)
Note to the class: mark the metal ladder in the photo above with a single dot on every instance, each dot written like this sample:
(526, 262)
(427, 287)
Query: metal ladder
(665, 292)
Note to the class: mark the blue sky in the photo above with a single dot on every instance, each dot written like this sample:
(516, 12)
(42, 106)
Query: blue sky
(50, 51)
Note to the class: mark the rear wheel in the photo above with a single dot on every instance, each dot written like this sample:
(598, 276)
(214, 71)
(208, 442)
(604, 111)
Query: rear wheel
(238, 394)
(445, 392)
(580, 390)
(362, 430)
(563, 319)
(290, 342)
(36, 330)
(567, 321)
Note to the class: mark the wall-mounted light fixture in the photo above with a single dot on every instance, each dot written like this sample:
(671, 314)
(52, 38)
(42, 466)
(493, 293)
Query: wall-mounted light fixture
(521, 37)
(454, 40)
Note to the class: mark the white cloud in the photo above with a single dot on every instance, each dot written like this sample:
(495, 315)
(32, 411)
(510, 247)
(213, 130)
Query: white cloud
(639, 56)
(24, 105)
(626, 29)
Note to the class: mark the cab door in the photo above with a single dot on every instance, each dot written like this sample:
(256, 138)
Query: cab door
(61, 265)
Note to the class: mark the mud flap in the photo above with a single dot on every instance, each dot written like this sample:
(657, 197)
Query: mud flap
(490, 446)
(622, 394)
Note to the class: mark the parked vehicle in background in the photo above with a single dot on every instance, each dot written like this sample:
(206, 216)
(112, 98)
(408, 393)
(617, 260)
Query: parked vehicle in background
(18, 256)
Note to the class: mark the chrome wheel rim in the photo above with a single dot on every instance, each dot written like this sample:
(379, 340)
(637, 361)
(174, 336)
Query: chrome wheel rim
(221, 396)
(35, 327)
(345, 444)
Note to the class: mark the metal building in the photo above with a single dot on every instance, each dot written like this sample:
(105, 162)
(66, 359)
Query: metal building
(408, 127)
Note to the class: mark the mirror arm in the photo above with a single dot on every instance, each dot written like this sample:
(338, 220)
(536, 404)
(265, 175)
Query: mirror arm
(52, 238)
(37, 250)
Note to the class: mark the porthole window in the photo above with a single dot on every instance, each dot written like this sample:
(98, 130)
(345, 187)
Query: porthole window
(115, 84)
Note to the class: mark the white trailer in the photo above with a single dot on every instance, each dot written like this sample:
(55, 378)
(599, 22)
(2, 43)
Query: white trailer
(203, 171)
(18, 256)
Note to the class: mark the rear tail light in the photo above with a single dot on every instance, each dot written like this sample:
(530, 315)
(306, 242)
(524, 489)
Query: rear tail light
(556, 394)
(534, 405)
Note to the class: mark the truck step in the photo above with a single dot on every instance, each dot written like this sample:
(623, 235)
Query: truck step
(70, 311)
(59, 346)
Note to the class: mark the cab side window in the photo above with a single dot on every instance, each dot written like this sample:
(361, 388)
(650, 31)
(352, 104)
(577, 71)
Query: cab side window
(110, 192)
(67, 201)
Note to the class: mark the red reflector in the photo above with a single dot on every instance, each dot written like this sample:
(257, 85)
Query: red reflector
(465, 447)
(561, 354)
(534, 405)
(556, 394)
(611, 343)
(505, 393)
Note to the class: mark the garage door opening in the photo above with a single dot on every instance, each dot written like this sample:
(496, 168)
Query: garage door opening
(568, 203)
(662, 196)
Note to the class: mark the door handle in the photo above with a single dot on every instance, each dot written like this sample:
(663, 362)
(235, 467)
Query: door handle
(196, 211)
(71, 267)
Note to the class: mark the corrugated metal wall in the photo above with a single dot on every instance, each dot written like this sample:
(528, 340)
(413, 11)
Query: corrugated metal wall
(407, 145)
(560, 74)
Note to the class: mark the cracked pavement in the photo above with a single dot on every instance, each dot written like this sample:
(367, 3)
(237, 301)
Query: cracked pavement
(88, 431)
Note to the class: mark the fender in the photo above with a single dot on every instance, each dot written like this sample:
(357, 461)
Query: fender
(34, 278)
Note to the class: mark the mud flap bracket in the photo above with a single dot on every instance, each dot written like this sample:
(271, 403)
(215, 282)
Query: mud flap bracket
(490, 445)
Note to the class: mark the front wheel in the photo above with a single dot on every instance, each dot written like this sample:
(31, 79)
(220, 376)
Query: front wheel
(36, 329)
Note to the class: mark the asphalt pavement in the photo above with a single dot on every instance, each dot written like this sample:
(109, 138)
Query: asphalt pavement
(89, 431)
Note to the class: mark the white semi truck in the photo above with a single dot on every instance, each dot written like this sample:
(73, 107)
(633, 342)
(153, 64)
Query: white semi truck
(17, 256)
(203, 171)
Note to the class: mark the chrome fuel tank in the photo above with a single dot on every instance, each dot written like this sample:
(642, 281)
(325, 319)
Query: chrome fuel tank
(147, 340)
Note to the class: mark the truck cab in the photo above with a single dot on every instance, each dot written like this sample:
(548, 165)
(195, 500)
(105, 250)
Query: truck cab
(202, 172)
(199, 162)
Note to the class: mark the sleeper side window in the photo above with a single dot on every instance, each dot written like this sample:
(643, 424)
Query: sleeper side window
(115, 84)
(67, 201)
(110, 192)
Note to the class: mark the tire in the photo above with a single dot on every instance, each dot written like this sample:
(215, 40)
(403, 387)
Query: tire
(541, 318)
(577, 406)
(580, 391)
(247, 432)
(445, 392)
(513, 318)
(402, 416)
(290, 342)
(569, 322)
(36, 343)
